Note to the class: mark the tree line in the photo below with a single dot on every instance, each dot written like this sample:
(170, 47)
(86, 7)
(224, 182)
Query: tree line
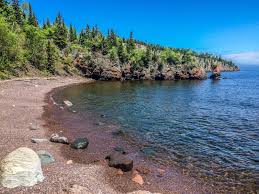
(48, 47)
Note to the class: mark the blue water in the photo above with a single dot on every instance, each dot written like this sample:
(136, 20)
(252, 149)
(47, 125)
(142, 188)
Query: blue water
(210, 128)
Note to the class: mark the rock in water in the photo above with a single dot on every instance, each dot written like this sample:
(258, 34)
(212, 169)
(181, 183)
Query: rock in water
(68, 103)
(58, 139)
(80, 143)
(45, 157)
(21, 167)
(121, 161)
(215, 76)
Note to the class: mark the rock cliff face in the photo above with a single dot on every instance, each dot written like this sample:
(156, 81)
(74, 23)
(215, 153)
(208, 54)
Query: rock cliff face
(101, 68)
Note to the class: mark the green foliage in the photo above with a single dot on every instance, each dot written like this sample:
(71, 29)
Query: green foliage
(11, 43)
(36, 46)
(72, 34)
(55, 47)
(60, 33)
(32, 20)
(52, 56)
(122, 53)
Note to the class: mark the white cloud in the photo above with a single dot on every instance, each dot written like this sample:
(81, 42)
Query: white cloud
(244, 58)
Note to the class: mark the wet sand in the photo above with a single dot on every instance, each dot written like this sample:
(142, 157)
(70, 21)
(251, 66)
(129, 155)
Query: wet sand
(22, 105)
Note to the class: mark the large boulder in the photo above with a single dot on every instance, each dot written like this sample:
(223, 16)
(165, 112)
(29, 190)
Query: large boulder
(120, 161)
(21, 167)
(80, 143)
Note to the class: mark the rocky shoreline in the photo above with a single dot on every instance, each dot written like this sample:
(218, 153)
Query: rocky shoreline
(63, 166)
(25, 142)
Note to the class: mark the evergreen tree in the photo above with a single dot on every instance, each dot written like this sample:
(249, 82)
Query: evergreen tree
(122, 53)
(46, 24)
(60, 34)
(17, 11)
(131, 44)
(52, 57)
(31, 18)
(72, 34)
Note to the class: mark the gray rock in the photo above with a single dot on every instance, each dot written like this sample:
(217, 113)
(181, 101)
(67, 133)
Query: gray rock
(21, 167)
(120, 161)
(100, 123)
(120, 149)
(58, 139)
(68, 103)
(45, 157)
(34, 127)
(80, 143)
(39, 140)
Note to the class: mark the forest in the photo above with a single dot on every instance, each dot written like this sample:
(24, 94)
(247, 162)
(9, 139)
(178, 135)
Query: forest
(28, 48)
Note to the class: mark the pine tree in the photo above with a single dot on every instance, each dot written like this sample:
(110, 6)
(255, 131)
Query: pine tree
(51, 57)
(122, 53)
(17, 11)
(131, 44)
(72, 34)
(46, 24)
(31, 16)
(60, 35)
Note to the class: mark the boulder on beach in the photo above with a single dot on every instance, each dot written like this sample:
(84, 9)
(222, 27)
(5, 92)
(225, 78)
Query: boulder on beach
(120, 161)
(21, 167)
(45, 157)
(80, 143)
(58, 139)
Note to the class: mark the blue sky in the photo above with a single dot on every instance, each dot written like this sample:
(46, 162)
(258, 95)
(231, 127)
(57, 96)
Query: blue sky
(226, 27)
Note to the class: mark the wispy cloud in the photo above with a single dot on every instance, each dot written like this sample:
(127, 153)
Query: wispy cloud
(245, 57)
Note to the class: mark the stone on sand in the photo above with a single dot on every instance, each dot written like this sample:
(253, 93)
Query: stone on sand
(120, 161)
(77, 189)
(45, 157)
(22, 167)
(58, 139)
(137, 179)
(80, 143)
(39, 140)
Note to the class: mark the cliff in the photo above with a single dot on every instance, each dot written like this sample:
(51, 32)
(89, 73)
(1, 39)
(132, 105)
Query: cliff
(100, 67)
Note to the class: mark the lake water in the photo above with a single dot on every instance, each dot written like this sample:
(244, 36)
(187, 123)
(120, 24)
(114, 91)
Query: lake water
(210, 128)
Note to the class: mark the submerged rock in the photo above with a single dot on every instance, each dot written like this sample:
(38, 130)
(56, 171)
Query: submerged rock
(68, 103)
(100, 123)
(80, 143)
(119, 149)
(58, 139)
(21, 167)
(120, 161)
(45, 157)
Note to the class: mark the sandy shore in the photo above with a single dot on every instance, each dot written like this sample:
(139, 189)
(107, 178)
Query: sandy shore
(21, 105)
